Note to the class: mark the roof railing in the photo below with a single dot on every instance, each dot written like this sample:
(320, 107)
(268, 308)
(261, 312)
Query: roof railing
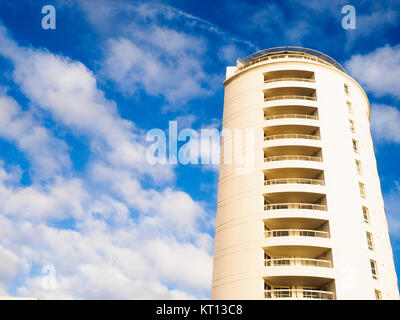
(288, 52)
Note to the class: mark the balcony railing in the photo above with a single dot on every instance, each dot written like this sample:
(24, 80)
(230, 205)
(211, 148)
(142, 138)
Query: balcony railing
(296, 233)
(300, 262)
(298, 293)
(303, 206)
(294, 181)
(290, 97)
(291, 136)
(289, 79)
(293, 157)
(291, 115)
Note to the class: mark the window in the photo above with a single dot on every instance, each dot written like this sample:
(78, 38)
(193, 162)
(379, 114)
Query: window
(346, 89)
(378, 295)
(355, 146)
(358, 167)
(349, 107)
(365, 214)
(352, 127)
(362, 189)
(369, 241)
(374, 270)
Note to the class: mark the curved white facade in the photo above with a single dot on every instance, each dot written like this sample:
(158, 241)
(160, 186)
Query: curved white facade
(306, 218)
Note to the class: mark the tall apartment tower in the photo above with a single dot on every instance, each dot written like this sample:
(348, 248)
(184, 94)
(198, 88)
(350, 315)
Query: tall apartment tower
(305, 219)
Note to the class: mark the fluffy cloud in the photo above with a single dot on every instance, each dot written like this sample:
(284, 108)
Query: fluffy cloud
(21, 128)
(104, 230)
(378, 71)
(385, 123)
(162, 61)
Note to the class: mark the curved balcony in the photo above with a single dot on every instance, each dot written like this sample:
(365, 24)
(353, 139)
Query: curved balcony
(298, 262)
(293, 185)
(291, 136)
(289, 79)
(293, 157)
(289, 82)
(277, 233)
(290, 97)
(291, 116)
(299, 294)
(296, 206)
(271, 182)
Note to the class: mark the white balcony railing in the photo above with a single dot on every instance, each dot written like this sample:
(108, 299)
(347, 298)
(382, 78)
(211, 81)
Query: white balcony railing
(290, 97)
(291, 136)
(289, 79)
(298, 294)
(296, 233)
(299, 262)
(291, 115)
(302, 206)
(293, 157)
(270, 182)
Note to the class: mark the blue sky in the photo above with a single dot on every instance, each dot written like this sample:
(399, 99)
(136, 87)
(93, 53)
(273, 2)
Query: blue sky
(76, 191)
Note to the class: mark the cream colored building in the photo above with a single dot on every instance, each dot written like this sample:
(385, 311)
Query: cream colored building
(306, 219)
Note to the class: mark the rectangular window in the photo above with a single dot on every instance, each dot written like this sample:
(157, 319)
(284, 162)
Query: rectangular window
(358, 167)
(378, 295)
(346, 89)
(374, 270)
(352, 127)
(355, 146)
(365, 214)
(369, 241)
(362, 189)
(349, 107)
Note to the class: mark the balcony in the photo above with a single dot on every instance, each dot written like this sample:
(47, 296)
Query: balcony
(294, 181)
(291, 116)
(289, 97)
(289, 75)
(289, 79)
(298, 294)
(300, 206)
(277, 233)
(291, 136)
(289, 154)
(298, 262)
(293, 157)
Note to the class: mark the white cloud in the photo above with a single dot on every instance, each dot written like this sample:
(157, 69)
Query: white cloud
(385, 123)
(378, 71)
(20, 127)
(162, 61)
(392, 205)
(117, 219)
(68, 90)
